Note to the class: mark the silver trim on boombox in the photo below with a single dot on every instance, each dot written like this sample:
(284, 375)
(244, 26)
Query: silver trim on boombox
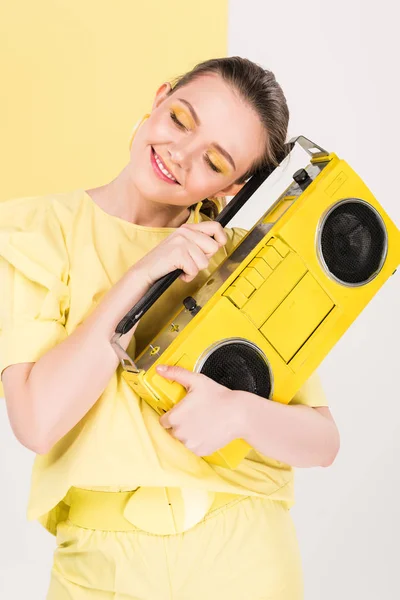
(319, 248)
(234, 340)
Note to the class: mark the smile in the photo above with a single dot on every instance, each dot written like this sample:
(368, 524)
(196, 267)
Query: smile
(161, 169)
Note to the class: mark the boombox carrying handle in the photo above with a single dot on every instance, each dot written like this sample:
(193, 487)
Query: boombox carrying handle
(230, 210)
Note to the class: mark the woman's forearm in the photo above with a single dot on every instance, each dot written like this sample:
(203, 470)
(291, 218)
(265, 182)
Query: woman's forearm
(296, 434)
(66, 382)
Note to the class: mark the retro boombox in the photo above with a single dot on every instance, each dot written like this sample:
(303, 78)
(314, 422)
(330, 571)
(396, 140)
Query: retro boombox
(274, 308)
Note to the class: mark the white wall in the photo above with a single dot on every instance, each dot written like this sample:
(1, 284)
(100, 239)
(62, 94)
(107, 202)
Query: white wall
(338, 65)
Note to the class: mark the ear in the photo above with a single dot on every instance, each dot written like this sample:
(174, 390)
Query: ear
(161, 94)
(231, 190)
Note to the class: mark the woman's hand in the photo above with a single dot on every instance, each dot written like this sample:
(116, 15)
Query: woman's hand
(211, 415)
(189, 248)
(208, 417)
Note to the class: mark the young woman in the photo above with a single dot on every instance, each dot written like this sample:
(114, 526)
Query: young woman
(136, 510)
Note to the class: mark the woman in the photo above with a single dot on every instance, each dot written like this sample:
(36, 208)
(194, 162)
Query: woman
(110, 477)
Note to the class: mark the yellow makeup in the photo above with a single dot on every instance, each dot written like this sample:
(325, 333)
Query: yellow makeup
(183, 116)
(219, 162)
(188, 122)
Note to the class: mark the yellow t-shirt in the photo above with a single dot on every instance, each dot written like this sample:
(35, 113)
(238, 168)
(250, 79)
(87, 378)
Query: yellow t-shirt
(59, 254)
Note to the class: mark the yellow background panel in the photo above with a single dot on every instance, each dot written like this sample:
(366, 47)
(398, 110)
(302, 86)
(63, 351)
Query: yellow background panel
(76, 77)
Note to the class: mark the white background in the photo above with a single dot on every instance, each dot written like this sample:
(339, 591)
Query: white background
(338, 65)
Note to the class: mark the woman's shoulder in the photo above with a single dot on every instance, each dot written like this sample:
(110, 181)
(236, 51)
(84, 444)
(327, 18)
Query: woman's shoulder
(29, 212)
(34, 234)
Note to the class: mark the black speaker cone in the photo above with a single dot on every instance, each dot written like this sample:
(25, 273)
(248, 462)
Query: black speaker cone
(238, 365)
(353, 242)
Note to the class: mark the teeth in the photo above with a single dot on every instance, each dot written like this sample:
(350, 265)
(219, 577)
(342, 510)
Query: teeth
(162, 168)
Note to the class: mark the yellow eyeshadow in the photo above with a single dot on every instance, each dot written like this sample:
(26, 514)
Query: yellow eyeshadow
(219, 162)
(184, 117)
(187, 120)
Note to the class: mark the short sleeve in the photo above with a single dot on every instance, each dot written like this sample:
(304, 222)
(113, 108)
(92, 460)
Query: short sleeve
(34, 271)
(311, 392)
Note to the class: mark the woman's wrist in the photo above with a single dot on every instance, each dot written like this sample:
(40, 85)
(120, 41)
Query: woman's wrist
(244, 404)
(141, 275)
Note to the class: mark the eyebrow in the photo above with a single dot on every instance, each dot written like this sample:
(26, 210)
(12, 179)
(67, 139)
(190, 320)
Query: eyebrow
(197, 121)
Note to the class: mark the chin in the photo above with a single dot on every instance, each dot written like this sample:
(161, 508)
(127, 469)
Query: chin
(154, 191)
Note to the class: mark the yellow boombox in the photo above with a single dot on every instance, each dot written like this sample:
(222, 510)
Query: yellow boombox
(271, 312)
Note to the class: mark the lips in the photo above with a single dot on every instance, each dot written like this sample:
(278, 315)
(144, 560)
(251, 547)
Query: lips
(158, 171)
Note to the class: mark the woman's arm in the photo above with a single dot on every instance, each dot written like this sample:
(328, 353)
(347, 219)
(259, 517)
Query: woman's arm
(47, 398)
(211, 415)
(301, 436)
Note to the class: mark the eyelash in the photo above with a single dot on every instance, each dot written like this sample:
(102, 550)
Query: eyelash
(181, 126)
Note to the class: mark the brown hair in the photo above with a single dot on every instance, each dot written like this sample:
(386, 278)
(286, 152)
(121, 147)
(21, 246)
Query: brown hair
(259, 88)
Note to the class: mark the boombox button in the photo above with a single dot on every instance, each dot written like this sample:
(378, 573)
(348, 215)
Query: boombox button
(261, 266)
(271, 256)
(253, 276)
(244, 285)
(235, 296)
(279, 246)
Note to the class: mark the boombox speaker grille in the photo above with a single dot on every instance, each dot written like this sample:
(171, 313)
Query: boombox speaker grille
(238, 365)
(353, 242)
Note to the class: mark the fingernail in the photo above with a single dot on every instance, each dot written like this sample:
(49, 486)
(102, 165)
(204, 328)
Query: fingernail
(161, 367)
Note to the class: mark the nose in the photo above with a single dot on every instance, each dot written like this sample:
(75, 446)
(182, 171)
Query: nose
(181, 152)
(177, 156)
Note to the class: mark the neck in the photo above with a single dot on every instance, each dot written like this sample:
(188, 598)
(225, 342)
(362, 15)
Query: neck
(121, 198)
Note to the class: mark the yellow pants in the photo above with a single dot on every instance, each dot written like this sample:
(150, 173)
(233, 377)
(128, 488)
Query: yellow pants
(245, 550)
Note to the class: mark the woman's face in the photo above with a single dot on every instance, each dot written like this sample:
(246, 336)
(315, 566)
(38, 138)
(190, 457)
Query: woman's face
(203, 136)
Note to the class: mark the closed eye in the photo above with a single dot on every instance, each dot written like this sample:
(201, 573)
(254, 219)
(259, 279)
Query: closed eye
(181, 126)
(211, 164)
(176, 120)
